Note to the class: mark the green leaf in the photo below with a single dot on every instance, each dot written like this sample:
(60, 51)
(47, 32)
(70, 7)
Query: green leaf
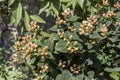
(55, 11)
(48, 13)
(108, 23)
(74, 3)
(9, 78)
(10, 2)
(115, 75)
(76, 37)
(55, 8)
(1, 0)
(26, 19)
(37, 18)
(65, 1)
(44, 6)
(12, 19)
(0, 49)
(50, 56)
(64, 6)
(18, 13)
(74, 78)
(61, 46)
(42, 75)
(76, 25)
(58, 77)
(12, 73)
(82, 3)
(45, 34)
(49, 44)
(2, 78)
(66, 75)
(73, 18)
(22, 30)
(90, 75)
(31, 61)
(69, 4)
(113, 39)
(80, 46)
(118, 46)
(39, 43)
(55, 37)
(89, 46)
(81, 76)
(89, 62)
(7, 52)
(112, 69)
(54, 28)
(67, 34)
(95, 35)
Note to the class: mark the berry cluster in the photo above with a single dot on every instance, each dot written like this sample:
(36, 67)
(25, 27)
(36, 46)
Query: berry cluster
(72, 47)
(60, 33)
(25, 47)
(66, 13)
(28, 48)
(106, 3)
(33, 26)
(71, 28)
(118, 23)
(75, 69)
(86, 27)
(62, 63)
(17, 45)
(14, 58)
(37, 77)
(109, 14)
(43, 52)
(117, 5)
(95, 41)
(26, 38)
(104, 30)
(44, 68)
(60, 21)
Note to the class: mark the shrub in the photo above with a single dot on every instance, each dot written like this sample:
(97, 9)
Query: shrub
(83, 44)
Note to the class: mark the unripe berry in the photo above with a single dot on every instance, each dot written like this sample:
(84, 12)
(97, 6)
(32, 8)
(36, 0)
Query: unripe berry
(69, 48)
(68, 43)
(76, 42)
(46, 53)
(45, 48)
(71, 36)
(76, 48)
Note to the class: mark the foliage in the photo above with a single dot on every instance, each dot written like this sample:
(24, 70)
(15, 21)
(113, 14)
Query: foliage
(10, 73)
(83, 44)
(7, 69)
